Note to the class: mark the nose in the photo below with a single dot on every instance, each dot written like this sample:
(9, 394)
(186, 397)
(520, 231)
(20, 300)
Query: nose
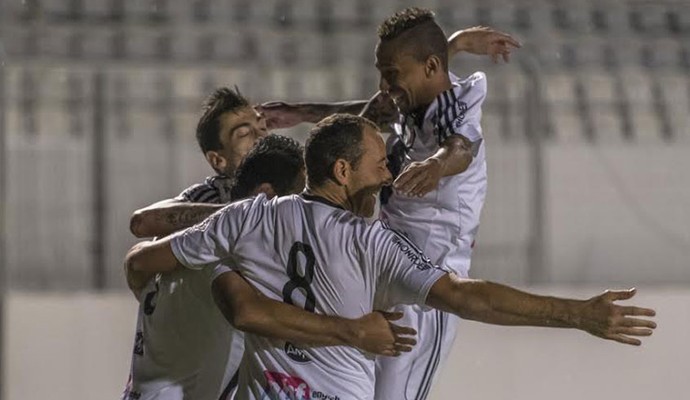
(387, 177)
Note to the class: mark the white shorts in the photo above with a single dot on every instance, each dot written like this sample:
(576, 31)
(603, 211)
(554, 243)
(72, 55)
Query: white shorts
(411, 375)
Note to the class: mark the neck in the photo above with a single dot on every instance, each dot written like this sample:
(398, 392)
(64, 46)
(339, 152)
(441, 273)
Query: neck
(436, 87)
(331, 192)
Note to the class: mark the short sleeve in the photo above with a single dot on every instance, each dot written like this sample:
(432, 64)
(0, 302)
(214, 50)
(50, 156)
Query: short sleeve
(219, 270)
(463, 111)
(406, 274)
(213, 239)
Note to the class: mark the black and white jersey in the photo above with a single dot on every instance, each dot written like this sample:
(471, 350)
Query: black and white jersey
(445, 221)
(184, 348)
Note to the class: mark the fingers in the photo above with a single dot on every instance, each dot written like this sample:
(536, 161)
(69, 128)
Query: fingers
(510, 40)
(633, 331)
(638, 311)
(407, 341)
(614, 295)
(408, 180)
(637, 322)
(391, 316)
(625, 340)
(402, 330)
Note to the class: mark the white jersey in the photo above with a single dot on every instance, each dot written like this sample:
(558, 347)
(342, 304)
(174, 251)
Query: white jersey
(445, 221)
(306, 251)
(184, 348)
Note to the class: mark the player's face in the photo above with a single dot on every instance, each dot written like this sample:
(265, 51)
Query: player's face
(402, 77)
(239, 132)
(370, 175)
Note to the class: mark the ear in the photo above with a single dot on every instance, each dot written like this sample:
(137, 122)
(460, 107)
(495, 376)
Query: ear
(432, 66)
(217, 161)
(265, 188)
(341, 172)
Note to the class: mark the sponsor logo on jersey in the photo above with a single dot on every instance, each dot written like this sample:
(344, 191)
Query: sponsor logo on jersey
(295, 353)
(460, 111)
(419, 260)
(139, 344)
(315, 394)
(283, 386)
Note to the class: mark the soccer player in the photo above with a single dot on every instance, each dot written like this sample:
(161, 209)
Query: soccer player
(184, 348)
(316, 250)
(438, 157)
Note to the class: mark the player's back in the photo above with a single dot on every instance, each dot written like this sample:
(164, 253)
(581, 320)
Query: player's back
(305, 251)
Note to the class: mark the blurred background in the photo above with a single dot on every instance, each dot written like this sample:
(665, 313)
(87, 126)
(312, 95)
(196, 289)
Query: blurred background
(588, 145)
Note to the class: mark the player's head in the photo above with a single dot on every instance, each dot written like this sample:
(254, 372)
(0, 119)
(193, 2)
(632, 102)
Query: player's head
(274, 166)
(228, 129)
(345, 153)
(412, 58)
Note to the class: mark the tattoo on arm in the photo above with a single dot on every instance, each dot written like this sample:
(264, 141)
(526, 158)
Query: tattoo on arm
(186, 217)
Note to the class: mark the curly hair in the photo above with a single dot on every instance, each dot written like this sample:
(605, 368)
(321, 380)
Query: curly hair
(404, 20)
(275, 159)
(419, 34)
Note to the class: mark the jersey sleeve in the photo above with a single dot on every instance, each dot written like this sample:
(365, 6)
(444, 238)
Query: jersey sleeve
(463, 111)
(219, 270)
(405, 274)
(199, 193)
(213, 239)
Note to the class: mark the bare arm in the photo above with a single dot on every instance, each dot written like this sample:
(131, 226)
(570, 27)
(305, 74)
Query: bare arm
(145, 259)
(168, 216)
(419, 178)
(248, 310)
(281, 115)
(482, 40)
(498, 304)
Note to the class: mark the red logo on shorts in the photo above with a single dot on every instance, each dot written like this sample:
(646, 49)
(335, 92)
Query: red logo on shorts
(282, 386)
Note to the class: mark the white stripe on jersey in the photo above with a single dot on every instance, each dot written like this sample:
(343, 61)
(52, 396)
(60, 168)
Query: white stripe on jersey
(319, 257)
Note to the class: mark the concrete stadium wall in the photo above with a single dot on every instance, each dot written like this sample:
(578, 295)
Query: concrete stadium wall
(77, 346)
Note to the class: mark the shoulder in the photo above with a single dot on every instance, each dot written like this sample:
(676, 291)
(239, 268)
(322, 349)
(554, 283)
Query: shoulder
(471, 88)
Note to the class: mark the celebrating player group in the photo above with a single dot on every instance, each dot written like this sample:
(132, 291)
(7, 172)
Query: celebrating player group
(271, 279)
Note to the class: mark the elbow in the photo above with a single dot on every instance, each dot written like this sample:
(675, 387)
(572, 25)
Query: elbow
(243, 320)
(136, 224)
(133, 259)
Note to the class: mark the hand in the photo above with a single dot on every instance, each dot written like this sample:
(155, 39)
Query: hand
(483, 40)
(380, 109)
(376, 334)
(606, 320)
(419, 178)
(280, 115)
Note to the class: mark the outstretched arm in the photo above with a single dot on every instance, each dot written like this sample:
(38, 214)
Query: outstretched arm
(482, 40)
(168, 216)
(476, 40)
(502, 305)
(248, 310)
(280, 115)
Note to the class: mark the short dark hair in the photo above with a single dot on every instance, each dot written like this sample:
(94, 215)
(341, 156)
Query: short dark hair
(275, 159)
(423, 37)
(222, 100)
(338, 136)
